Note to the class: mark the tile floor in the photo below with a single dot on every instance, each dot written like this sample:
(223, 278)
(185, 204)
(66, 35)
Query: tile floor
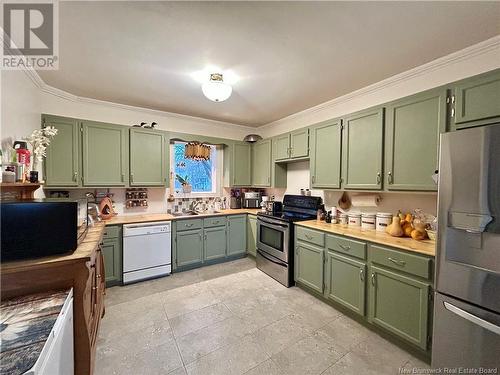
(233, 319)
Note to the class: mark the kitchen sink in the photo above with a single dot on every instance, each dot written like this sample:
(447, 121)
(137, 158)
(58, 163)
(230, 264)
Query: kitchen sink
(194, 213)
(187, 213)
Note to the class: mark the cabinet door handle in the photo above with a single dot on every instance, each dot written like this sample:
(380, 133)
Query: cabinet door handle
(200, 237)
(313, 179)
(205, 237)
(123, 177)
(373, 279)
(361, 274)
(347, 248)
(389, 178)
(378, 178)
(75, 176)
(131, 177)
(398, 262)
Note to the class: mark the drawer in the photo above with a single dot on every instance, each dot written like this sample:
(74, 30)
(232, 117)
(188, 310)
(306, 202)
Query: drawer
(113, 231)
(346, 246)
(215, 221)
(188, 224)
(309, 235)
(397, 260)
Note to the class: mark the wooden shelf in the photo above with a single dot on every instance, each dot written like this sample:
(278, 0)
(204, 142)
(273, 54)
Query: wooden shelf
(20, 190)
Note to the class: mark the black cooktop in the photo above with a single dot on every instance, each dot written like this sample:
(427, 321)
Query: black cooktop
(296, 208)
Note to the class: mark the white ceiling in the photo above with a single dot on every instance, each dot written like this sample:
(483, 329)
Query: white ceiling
(290, 55)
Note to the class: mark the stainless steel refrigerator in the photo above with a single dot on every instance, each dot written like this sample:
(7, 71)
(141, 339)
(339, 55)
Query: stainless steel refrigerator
(467, 300)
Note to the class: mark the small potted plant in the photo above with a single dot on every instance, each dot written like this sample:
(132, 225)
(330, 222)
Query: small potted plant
(39, 140)
(186, 186)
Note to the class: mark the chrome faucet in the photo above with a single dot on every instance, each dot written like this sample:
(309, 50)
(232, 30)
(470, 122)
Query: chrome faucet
(194, 205)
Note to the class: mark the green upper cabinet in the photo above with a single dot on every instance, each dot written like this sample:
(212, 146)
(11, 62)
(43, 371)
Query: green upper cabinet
(309, 266)
(237, 234)
(261, 163)
(214, 246)
(326, 155)
(241, 171)
(476, 101)
(299, 143)
(282, 146)
(294, 145)
(345, 282)
(148, 157)
(105, 154)
(62, 164)
(400, 305)
(362, 150)
(412, 140)
(252, 235)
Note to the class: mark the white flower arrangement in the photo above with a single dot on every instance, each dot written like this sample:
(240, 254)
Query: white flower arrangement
(39, 140)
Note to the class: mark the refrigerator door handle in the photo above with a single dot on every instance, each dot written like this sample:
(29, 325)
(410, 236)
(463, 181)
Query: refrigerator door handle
(472, 318)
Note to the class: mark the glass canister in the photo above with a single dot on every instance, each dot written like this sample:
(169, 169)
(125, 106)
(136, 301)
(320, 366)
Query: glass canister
(383, 219)
(368, 221)
(355, 219)
(343, 219)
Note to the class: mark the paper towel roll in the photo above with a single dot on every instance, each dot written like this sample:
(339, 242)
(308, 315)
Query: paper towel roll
(369, 200)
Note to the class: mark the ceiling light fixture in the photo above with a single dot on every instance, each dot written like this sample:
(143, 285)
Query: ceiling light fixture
(215, 89)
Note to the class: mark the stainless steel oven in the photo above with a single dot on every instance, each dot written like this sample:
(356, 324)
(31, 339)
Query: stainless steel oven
(273, 237)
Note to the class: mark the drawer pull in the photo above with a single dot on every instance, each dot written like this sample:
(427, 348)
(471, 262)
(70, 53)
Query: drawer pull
(397, 262)
(309, 237)
(373, 279)
(362, 275)
(347, 248)
(216, 221)
(189, 225)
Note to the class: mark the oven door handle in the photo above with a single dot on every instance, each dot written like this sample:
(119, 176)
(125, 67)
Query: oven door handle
(276, 261)
(280, 227)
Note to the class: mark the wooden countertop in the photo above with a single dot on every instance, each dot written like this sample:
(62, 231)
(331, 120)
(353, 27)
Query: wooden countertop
(426, 247)
(131, 219)
(82, 252)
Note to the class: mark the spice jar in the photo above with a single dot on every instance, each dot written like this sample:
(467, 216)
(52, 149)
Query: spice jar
(355, 219)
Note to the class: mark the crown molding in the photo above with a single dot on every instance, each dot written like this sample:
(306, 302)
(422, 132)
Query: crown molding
(480, 48)
(477, 49)
(51, 90)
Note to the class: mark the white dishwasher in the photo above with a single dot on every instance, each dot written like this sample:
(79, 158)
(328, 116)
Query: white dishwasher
(147, 251)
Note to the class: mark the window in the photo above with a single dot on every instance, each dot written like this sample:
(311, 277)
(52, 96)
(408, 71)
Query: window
(201, 175)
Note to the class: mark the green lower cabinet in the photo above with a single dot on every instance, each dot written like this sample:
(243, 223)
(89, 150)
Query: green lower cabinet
(309, 266)
(476, 101)
(252, 235)
(400, 305)
(189, 247)
(236, 234)
(345, 282)
(214, 245)
(112, 252)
